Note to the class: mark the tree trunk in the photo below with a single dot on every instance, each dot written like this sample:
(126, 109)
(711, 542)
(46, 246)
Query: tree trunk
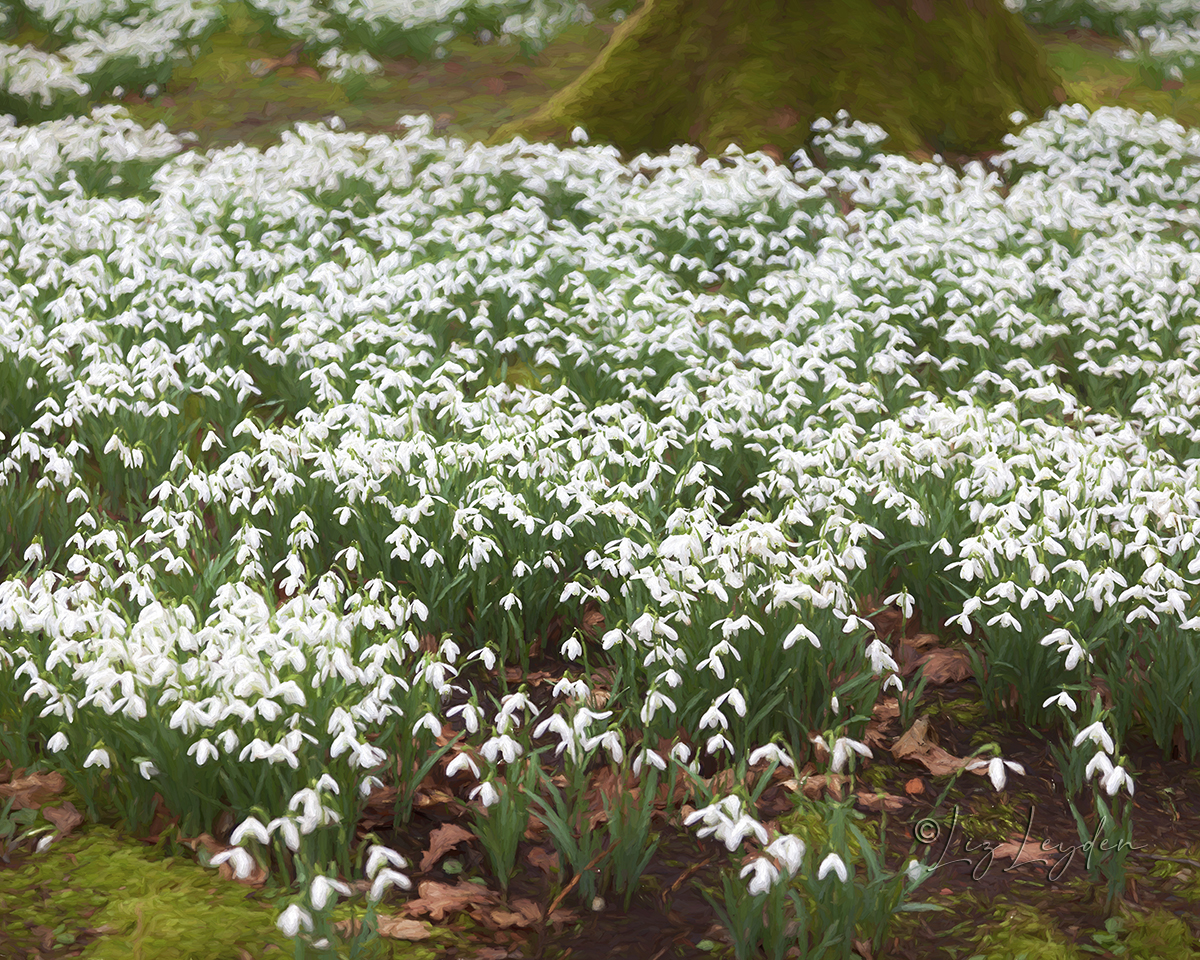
(938, 75)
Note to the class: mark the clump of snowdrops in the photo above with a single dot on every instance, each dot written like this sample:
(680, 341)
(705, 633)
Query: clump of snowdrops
(301, 438)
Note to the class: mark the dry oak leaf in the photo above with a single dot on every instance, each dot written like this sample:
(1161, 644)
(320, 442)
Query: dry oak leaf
(945, 666)
(441, 841)
(918, 744)
(32, 791)
(915, 787)
(440, 899)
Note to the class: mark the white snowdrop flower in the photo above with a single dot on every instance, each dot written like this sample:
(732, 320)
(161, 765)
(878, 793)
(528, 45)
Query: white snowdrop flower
(712, 717)
(326, 783)
(502, 745)
(881, 657)
(243, 863)
(461, 761)
(653, 702)
(1097, 734)
(578, 135)
(43, 844)
(717, 742)
(789, 849)
(1115, 779)
(291, 833)
(800, 631)
(1062, 699)
(995, 768)
(1099, 762)
(57, 742)
(148, 770)
(486, 792)
(611, 741)
(734, 697)
(322, 887)
(906, 602)
(765, 875)
(379, 855)
(833, 862)
(771, 752)
(387, 878)
(648, 756)
(428, 722)
(470, 715)
(254, 828)
(292, 919)
(841, 752)
(572, 649)
(98, 758)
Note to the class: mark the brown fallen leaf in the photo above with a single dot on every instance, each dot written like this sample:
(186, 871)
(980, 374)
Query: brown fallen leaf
(32, 791)
(817, 786)
(593, 622)
(875, 737)
(886, 709)
(875, 802)
(945, 666)
(494, 85)
(440, 899)
(398, 928)
(65, 817)
(918, 744)
(441, 841)
(915, 787)
(910, 649)
(523, 913)
(916, 739)
(1019, 851)
(541, 858)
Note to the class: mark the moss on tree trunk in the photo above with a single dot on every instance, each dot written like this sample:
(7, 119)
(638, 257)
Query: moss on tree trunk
(939, 75)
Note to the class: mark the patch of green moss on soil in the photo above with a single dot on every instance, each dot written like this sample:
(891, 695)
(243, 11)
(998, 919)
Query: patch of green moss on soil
(120, 898)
